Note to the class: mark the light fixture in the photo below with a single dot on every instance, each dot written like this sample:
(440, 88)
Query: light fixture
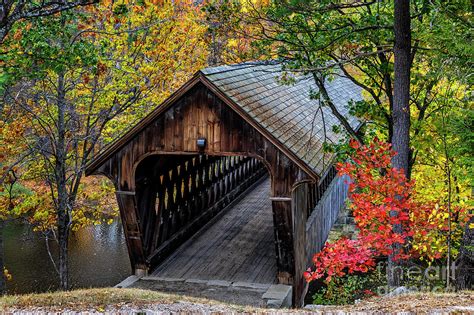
(201, 144)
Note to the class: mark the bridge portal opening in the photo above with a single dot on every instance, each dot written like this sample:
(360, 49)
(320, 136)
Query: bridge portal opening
(206, 217)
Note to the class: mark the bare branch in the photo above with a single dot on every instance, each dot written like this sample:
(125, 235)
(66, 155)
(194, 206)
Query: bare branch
(12, 11)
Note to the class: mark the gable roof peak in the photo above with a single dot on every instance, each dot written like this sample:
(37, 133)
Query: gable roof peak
(299, 124)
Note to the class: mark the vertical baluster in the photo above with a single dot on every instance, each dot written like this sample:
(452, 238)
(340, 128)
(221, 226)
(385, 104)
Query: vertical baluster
(171, 190)
(202, 183)
(240, 177)
(210, 178)
(179, 197)
(192, 187)
(197, 188)
(184, 191)
(226, 175)
(233, 178)
(165, 207)
(221, 177)
(159, 206)
(237, 171)
(247, 170)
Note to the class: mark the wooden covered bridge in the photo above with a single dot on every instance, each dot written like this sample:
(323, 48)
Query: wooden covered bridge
(228, 178)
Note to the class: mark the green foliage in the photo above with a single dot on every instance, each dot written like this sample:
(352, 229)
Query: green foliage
(462, 126)
(117, 63)
(48, 44)
(228, 36)
(72, 82)
(356, 39)
(346, 290)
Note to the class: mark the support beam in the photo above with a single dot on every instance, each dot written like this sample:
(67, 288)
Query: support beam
(128, 212)
(283, 223)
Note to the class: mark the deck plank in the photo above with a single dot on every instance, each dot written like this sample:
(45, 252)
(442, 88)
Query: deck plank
(238, 247)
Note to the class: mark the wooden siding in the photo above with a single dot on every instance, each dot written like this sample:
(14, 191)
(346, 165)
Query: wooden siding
(200, 113)
(310, 233)
(324, 215)
(300, 203)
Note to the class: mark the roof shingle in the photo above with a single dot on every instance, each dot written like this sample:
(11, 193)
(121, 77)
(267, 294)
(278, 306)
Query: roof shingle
(286, 110)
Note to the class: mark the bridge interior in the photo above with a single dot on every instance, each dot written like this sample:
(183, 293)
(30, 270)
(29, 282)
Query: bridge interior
(237, 246)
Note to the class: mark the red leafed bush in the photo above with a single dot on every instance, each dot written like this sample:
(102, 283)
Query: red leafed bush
(341, 257)
(380, 198)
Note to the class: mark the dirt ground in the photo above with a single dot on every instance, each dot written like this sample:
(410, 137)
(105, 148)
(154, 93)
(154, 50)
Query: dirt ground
(415, 303)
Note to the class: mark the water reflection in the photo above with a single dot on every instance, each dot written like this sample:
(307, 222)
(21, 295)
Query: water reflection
(98, 257)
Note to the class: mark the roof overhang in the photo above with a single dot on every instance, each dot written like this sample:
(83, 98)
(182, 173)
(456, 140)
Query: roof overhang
(114, 147)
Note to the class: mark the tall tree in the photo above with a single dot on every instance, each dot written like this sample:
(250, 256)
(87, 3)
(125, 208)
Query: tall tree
(12, 11)
(228, 36)
(401, 86)
(400, 112)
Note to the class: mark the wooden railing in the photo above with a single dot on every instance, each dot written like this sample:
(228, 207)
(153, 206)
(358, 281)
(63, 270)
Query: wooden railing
(188, 195)
(316, 191)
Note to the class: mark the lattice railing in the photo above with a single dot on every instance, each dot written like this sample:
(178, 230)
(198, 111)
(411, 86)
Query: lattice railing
(316, 191)
(188, 195)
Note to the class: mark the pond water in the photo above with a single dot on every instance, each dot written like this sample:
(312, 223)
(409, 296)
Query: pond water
(98, 257)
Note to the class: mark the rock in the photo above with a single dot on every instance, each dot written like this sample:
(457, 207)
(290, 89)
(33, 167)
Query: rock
(399, 291)
(278, 295)
(256, 286)
(314, 307)
(196, 281)
(152, 278)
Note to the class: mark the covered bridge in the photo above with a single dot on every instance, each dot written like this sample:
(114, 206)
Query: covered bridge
(233, 141)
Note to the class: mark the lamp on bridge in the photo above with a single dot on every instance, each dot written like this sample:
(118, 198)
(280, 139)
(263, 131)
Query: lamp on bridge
(201, 144)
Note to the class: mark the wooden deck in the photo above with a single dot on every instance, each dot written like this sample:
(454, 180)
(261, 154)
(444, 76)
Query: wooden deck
(238, 247)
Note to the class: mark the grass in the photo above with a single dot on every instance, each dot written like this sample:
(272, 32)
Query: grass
(418, 303)
(101, 299)
(96, 299)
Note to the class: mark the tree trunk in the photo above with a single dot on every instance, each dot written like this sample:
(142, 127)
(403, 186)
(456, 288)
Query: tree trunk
(63, 206)
(3, 287)
(63, 241)
(401, 110)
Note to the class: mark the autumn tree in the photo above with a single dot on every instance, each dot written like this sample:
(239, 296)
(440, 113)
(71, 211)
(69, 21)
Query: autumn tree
(357, 39)
(228, 36)
(442, 175)
(12, 11)
(400, 111)
(83, 77)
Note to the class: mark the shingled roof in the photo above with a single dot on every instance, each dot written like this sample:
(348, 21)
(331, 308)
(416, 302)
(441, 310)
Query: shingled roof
(286, 110)
(294, 120)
